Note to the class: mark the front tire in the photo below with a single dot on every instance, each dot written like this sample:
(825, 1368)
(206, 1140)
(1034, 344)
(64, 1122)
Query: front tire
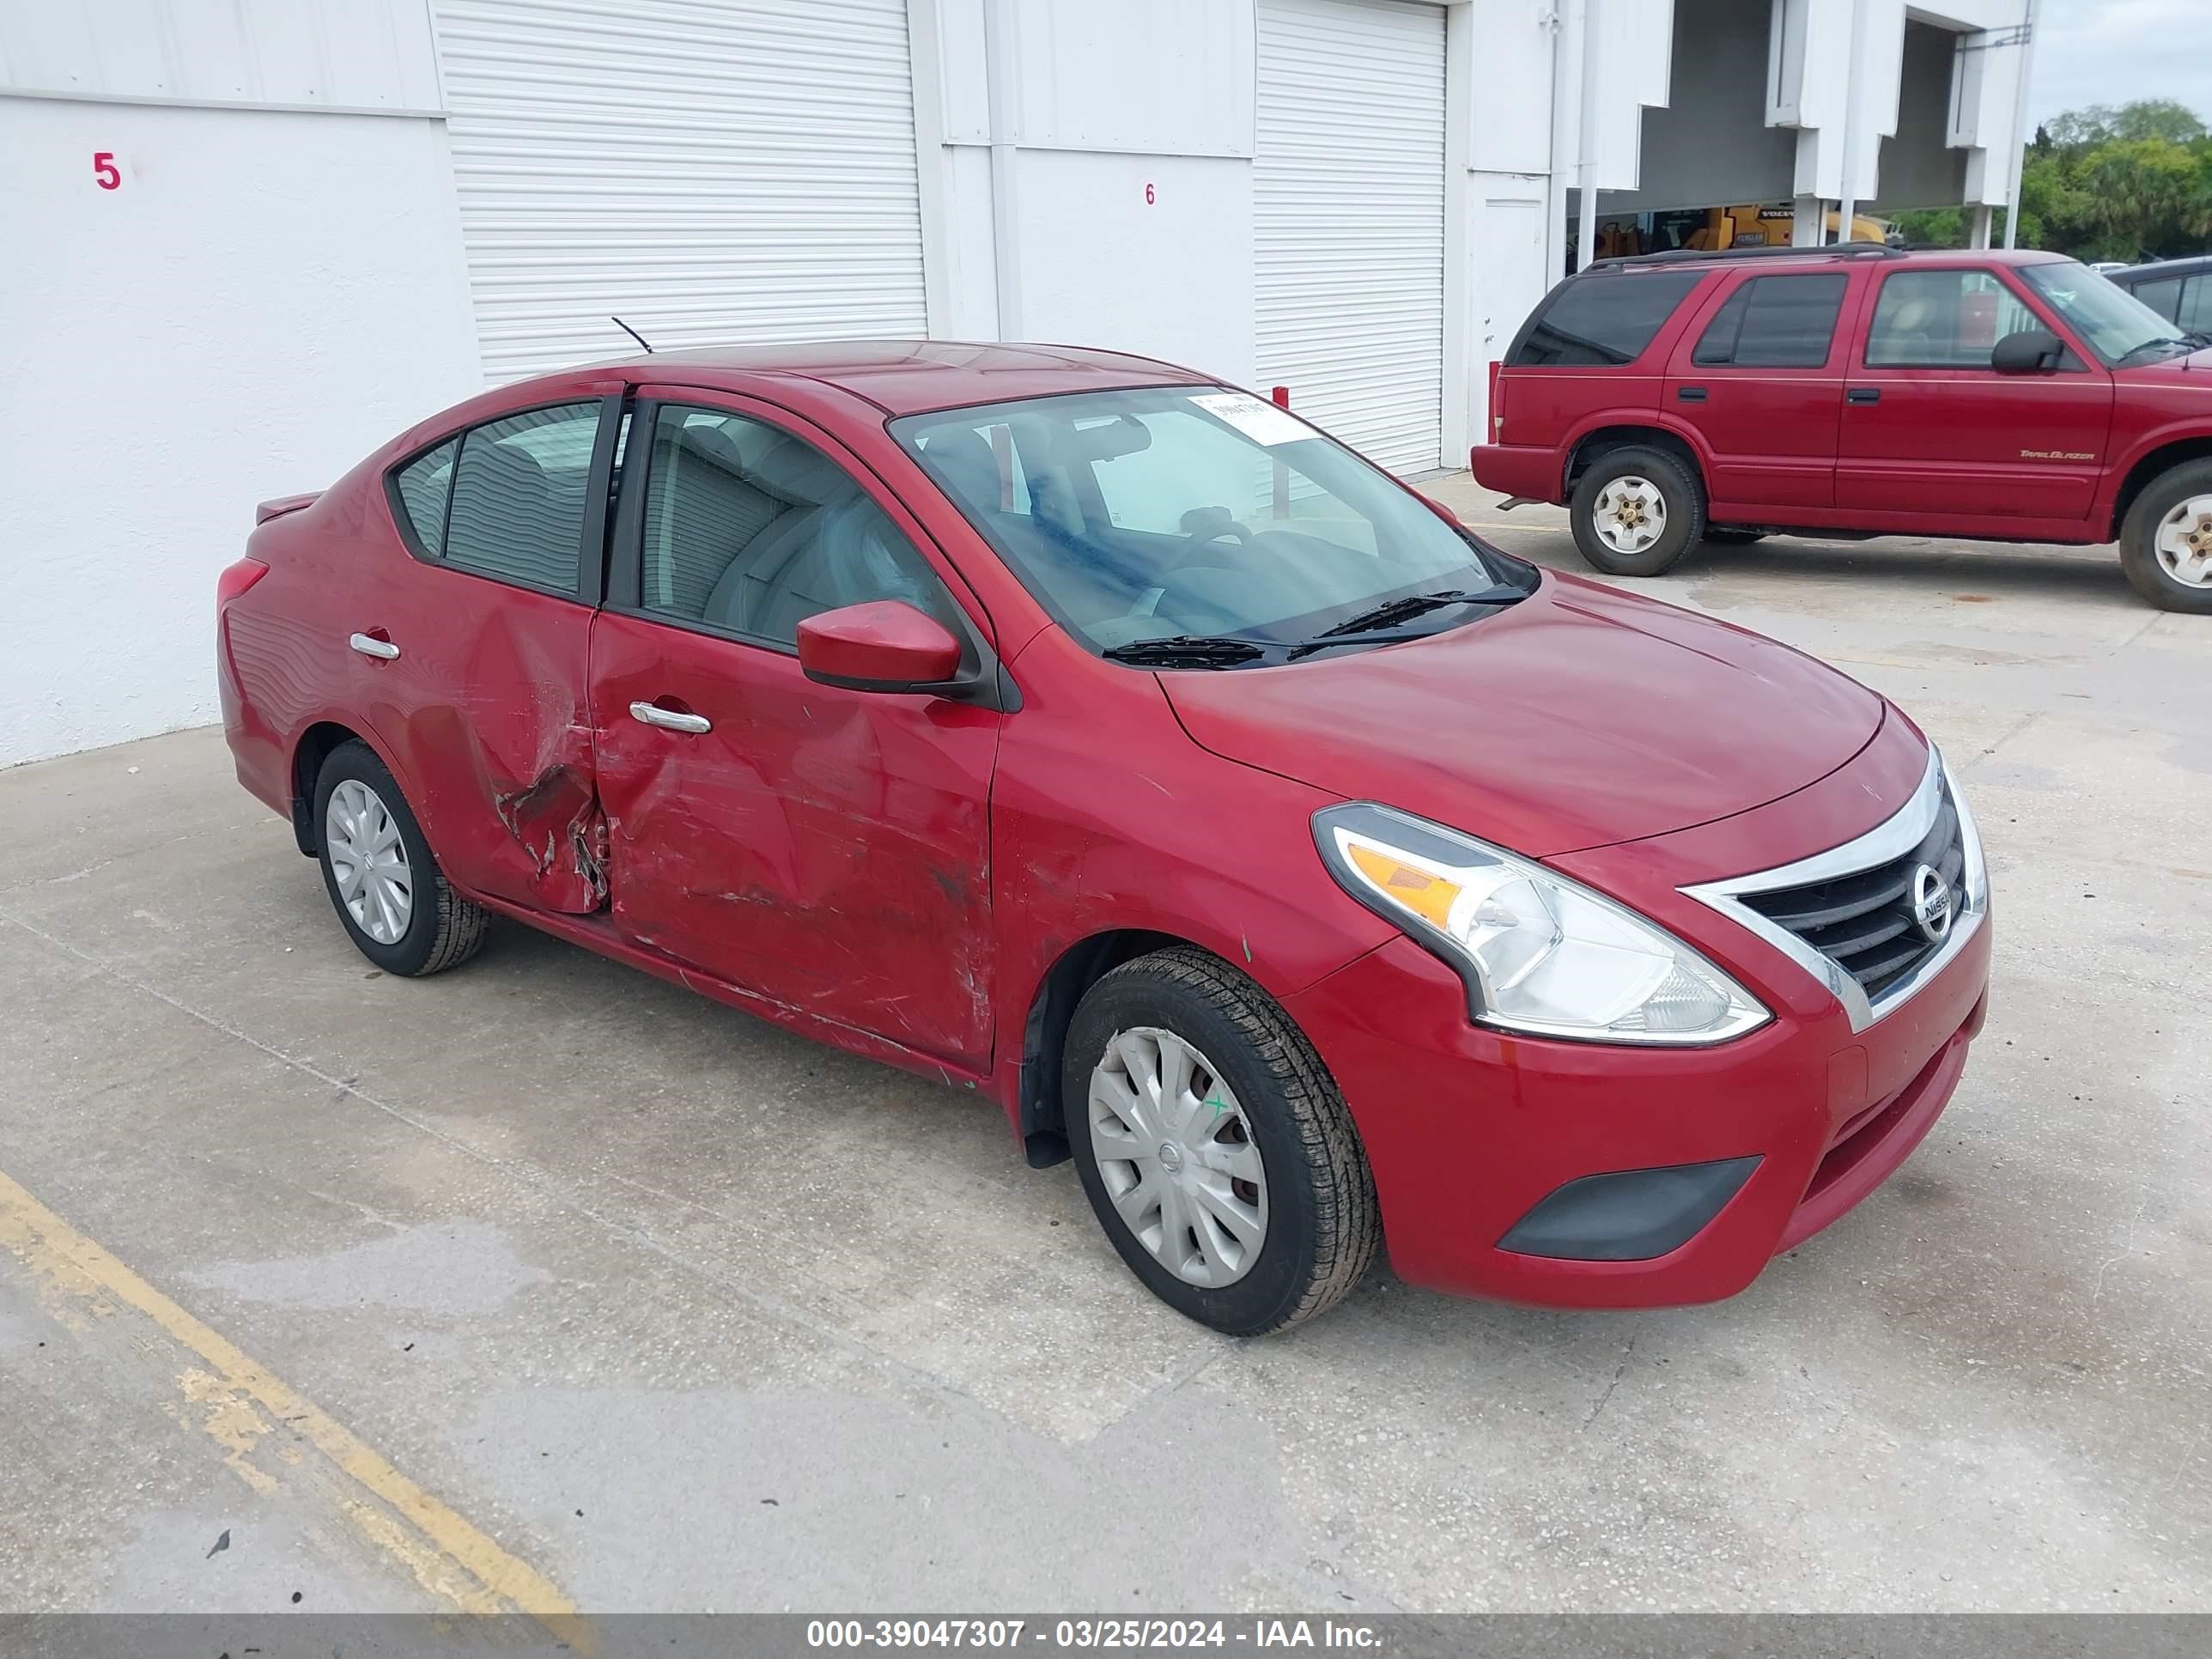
(393, 901)
(1215, 1149)
(2165, 542)
(1635, 511)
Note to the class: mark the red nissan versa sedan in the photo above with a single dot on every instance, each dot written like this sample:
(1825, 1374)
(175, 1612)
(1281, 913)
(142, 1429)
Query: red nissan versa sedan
(1110, 741)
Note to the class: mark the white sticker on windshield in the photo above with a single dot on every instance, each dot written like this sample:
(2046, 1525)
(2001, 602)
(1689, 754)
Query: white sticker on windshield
(1262, 422)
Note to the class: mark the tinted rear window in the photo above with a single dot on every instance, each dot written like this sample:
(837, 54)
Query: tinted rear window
(1774, 322)
(2186, 301)
(2195, 312)
(519, 496)
(424, 483)
(1607, 318)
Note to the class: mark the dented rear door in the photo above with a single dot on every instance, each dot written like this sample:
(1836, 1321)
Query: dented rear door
(484, 700)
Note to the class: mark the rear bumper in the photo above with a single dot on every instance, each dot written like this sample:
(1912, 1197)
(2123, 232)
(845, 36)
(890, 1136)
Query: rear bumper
(258, 752)
(1470, 1132)
(1526, 470)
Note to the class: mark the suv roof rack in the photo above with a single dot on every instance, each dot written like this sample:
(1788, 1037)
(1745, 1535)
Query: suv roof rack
(1675, 256)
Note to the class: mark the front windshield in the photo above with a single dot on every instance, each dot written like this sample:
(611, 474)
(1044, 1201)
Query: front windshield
(2119, 327)
(1195, 513)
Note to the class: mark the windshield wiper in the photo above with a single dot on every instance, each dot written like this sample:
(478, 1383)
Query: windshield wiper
(1411, 606)
(2145, 345)
(1187, 651)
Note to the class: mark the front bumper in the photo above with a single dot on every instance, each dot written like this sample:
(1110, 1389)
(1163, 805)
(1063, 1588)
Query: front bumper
(1469, 1130)
(1474, 1132)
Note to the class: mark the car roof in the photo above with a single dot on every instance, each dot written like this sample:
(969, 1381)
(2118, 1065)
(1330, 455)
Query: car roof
(904, 377)
(1761, 258)
(2189, 265)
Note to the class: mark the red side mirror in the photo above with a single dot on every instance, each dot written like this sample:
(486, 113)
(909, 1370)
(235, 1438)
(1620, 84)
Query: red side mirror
(885, 645)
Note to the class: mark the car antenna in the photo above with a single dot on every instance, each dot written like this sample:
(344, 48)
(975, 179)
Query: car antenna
(632, 334)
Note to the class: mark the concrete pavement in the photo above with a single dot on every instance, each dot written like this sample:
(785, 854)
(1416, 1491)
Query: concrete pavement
(545, 1274)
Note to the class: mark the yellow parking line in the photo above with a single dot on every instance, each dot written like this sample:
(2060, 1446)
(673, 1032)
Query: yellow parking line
(79, 1281)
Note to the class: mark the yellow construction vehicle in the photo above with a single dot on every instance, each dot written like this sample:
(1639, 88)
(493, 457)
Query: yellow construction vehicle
(1748, 225)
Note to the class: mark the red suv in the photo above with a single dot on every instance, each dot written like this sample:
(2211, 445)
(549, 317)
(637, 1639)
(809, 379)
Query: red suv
(1860, 391)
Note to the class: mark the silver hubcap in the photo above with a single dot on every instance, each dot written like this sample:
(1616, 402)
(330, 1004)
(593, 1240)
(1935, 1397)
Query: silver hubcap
(1174, 1150)
(370, 862)
(1631, 514)
(2184, 542)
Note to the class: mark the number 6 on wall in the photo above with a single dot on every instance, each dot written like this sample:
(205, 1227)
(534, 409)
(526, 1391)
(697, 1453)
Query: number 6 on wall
(104, 170)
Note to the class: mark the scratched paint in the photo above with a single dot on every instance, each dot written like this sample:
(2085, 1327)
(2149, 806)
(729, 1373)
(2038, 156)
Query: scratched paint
(556, 820)
(828, 850)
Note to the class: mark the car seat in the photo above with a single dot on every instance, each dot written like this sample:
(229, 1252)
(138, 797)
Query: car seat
(1906, 334)
(829, 546)
(703, 513)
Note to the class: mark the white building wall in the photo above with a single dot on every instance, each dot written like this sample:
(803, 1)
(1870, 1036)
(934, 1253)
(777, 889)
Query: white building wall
(1132, 134)
(321, 55)
(1111, 99)
(720, 176)
(278, 281)
(271, 290)
(1842, 98)
(1546, 93)
(1499, 243)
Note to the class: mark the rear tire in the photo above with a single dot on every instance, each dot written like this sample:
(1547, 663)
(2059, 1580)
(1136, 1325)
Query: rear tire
(1635, 511)
(1248, 1217)
(393, 901)
(2165, 541)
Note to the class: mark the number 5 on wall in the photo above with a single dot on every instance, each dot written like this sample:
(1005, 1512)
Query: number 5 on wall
(104, 171)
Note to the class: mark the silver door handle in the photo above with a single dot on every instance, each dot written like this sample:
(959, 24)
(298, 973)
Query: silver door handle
(369, 647)
(651, 714)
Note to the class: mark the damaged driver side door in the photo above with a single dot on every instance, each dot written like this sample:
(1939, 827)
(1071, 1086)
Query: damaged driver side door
(826, 848)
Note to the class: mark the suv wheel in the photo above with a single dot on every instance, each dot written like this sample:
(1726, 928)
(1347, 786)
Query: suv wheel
(1636, 511)
(1213, 1146)
(2165, 544)
(395, 902)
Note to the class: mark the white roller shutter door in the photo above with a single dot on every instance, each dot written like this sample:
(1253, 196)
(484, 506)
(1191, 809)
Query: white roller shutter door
(712, 171)
(1348, 220)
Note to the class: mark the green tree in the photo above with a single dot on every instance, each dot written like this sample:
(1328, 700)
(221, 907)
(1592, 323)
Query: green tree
(2147, 199)
(2131, 183)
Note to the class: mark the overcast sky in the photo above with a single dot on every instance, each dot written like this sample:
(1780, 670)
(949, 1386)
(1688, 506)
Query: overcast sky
(2112, 51)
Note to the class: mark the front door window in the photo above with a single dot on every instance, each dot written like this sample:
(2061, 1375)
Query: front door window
(1943, 319)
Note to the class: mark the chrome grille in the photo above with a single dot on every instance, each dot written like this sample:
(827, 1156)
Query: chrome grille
(1847, 916)
(1865, 922)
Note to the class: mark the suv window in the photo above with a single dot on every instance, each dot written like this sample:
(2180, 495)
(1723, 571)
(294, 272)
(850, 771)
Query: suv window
(1775, 322)
(1943, 319)
(1606, 318)
(2194, 313)
(2185, 301)
(750, 531)
(518, 497)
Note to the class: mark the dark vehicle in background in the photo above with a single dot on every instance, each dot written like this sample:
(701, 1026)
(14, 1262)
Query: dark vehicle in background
(1862, 391)
(2179, 290)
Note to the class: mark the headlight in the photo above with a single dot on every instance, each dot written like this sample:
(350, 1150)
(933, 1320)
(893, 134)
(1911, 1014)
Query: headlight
(1540, 953)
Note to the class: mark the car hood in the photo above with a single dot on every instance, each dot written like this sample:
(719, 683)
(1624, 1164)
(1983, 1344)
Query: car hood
(1580, 717)
(2190, 369)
